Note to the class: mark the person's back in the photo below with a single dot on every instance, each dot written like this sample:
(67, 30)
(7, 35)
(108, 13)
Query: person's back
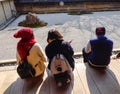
(101, 49)
(98, 50)
(58, 46)
(35, 56)
(60, 56)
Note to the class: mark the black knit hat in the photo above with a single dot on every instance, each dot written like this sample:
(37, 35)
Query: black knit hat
(100, 31)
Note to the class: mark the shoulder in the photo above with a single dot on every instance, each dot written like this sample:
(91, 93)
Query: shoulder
(109, 40)
(37, 46)
(92, 40)
(65, 43)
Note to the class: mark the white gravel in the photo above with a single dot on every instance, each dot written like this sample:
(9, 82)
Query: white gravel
(79, 28)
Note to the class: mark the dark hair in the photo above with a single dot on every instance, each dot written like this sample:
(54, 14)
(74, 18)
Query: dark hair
(100, 31)
(54, 34)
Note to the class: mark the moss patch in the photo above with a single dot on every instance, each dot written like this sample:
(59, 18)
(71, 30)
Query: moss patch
(79, 12)
(41, 24)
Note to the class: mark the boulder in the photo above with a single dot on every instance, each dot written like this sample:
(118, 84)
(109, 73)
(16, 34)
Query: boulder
(32, 21)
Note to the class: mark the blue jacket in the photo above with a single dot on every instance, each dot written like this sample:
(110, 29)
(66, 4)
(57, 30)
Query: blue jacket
(101, 50)
(61, 47)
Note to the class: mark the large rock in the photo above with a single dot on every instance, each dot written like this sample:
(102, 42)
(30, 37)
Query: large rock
(32, 21)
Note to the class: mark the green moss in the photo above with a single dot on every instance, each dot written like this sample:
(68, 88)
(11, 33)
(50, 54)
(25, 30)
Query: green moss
(79, 12)
(41, 24)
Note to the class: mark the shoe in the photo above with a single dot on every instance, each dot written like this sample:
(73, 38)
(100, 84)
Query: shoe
(85, 61)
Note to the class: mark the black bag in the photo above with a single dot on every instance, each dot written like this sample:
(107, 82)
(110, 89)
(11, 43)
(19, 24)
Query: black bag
(25, 70)
(62, 79)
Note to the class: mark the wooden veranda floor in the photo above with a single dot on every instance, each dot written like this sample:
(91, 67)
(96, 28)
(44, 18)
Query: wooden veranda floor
(86, 80)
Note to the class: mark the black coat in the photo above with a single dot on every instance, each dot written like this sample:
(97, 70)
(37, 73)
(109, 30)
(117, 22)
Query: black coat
(60, 46)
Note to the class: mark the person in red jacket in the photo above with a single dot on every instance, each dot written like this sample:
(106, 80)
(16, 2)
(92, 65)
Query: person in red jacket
(36, 56)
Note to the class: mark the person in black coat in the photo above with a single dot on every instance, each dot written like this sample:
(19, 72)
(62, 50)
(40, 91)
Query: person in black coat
(57, 45)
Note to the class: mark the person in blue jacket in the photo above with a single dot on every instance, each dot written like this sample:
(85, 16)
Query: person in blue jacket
(98, 51)
(56, 44)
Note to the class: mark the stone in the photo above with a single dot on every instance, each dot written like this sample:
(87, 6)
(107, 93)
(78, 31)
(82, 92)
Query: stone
(32, 21)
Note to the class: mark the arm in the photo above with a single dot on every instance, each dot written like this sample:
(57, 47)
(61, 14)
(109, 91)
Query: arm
(41, 54)
(67, 48)
(18, 59)
(88, 48)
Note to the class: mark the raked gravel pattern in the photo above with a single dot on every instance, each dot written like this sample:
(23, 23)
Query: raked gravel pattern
(79, 29)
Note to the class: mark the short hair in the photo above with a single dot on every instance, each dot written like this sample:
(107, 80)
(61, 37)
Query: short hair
(54, 34)
(100, 31)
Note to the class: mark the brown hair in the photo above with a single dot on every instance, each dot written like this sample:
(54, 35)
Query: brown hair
(54, 34)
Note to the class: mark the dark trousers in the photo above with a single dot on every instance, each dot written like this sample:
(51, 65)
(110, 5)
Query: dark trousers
(85, 56)
(86, 60)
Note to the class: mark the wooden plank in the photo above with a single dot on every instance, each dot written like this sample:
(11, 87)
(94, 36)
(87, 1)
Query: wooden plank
(78, 85)
(38, 86)
(87, 81)
(10, 78)
(44, 88)
(104, 81)
(20, 86)
(17, 86)
(54, 89)
(115, 68)
(30, 87)
(2, 79)
(78, 60)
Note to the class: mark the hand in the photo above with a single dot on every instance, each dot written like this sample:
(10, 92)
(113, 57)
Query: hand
(70, 41)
